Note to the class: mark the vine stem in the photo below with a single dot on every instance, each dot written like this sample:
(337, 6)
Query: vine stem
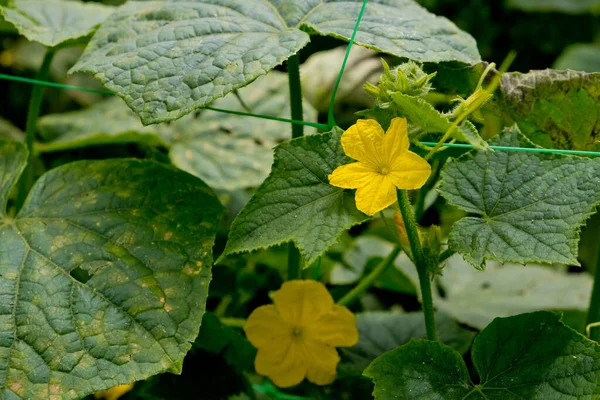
(368, 280)
(293, 67)
(594, 312)
(33, 113)
(408, 215)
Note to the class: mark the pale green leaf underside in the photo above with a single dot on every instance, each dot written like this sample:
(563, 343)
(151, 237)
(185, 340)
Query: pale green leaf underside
(569, 7)
(296, 203)
(555, 109)
(54, 22)
(475, 298)
(529, 207)
(381, 331)
(142, 232)
(226, 151)
(166, 59)
(580, 57)
(529, 356)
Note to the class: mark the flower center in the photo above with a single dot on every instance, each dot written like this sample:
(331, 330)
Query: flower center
(384, 171)
(297, 332)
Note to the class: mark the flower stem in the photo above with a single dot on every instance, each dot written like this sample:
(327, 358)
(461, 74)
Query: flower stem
(594, 312)
(293, 67)
(370, 279)
(233, 322)
(415, 245)
(33, 113)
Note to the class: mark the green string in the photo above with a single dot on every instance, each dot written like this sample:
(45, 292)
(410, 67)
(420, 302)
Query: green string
(107, 93)
(521, 149)
(330, 117)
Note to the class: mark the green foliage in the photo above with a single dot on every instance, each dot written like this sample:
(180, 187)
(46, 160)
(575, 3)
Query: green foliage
(55, 22)
(530, 206)
(382, 331)
(104, 281)
(529, 356)
(207, 49)
(296, 202)
(555, 109)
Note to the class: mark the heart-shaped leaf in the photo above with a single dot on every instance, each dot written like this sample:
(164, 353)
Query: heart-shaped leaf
(103, 274)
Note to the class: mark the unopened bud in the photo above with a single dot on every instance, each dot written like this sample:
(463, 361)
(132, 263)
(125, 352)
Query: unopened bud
(408, 78)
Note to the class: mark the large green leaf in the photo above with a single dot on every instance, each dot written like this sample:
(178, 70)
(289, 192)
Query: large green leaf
(103, 274)
(569, 6)
(580, 57)
(530, 207)
(381, 331)
(226, 151)
(55, 22)
(296, 202)
(168, 58)
(555, 109)
(529, 356)
(477, 297)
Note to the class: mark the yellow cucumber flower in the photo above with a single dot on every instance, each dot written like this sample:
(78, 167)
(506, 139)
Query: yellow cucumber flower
(114, 393)
(296, 337)
(384, 164)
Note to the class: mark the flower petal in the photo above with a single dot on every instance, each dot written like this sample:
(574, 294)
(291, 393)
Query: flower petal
(395, 141)
(410, 171)
(363, 142)
(301, 302)
(321, 362)
(284, 364)
(352, 176)
(265, 327)
(338, 328)
(378, 194)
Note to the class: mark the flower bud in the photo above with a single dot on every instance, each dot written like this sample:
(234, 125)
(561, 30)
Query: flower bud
(408, 78)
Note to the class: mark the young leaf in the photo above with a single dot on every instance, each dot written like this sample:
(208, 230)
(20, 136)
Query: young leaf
(103, 275)
(55, 22)
(296, 202)
(475, 298)
(530, 206)
(568, 7)
(381, 331)
(529, 356)
(421, 113)
(166, 59)
(555, 109)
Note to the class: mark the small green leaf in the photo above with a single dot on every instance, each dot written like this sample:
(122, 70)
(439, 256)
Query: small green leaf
(530, 206)
(55, 22)
(568, 7)
(9, 131)
(529, 356)
(475, 298)
(580, 57)
(104, 274)
(555, 109)
(430, 120)
(296, 203)
(381, 331)
(166, 59)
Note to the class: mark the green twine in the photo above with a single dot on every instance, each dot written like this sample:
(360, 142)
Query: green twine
(330, 118)
(521, 149)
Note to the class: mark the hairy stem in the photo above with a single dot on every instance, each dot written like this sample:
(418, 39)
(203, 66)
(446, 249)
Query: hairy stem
(368, 281)
(293, 66)
(33, 113)
(594, 312)
(419, 259)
